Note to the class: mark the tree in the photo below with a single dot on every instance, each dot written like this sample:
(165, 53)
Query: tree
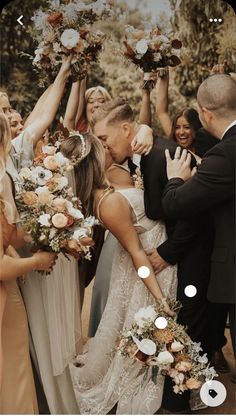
(201, 40)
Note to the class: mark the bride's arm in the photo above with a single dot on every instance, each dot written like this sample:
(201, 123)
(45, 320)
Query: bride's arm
(115, 214)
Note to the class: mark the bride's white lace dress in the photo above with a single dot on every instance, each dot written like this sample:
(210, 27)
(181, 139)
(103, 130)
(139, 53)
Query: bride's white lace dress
(106, 378)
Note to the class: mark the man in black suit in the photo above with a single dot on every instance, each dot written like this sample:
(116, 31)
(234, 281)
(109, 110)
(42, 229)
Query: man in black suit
(212, 187)
(114, 124)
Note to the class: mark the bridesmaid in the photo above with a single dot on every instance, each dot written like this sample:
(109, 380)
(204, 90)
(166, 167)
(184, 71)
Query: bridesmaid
(17, 390)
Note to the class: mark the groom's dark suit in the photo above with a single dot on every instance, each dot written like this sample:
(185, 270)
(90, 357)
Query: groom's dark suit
(188, 245)
(213, 188)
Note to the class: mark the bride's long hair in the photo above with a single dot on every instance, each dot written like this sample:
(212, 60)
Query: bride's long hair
(88, 156)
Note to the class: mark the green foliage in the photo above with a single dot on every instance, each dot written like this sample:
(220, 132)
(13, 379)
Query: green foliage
(202, 41)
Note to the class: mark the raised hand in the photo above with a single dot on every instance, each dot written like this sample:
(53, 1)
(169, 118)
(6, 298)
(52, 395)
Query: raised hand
(180, 165)
(66, 64)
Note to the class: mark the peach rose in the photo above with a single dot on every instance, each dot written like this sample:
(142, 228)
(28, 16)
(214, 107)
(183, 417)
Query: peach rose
(73, 245)
(138, 34)
(193, 383)
(52, 185)
(30, 198)
(45, 198)
(60, 204)
(59, 220)
(183, 366)
(50, 163)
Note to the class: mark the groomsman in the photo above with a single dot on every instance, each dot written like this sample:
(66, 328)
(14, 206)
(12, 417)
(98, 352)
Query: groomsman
(212, 187)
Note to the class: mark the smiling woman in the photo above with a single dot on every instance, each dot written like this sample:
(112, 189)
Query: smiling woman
(184, 127)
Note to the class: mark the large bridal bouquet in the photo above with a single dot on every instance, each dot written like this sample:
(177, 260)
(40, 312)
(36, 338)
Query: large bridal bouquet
(66, 28)
(150, 50)
(165, 350)
(49, 211)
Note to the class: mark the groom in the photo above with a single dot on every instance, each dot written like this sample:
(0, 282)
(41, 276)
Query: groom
(188, 243)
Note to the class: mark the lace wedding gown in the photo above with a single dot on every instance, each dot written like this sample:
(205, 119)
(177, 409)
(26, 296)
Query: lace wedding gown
(101, 377)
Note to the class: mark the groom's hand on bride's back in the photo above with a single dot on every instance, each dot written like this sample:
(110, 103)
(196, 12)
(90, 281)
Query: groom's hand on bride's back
(157, 262)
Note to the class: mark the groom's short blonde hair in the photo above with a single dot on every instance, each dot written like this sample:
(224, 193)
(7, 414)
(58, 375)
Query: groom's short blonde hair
(117, 110)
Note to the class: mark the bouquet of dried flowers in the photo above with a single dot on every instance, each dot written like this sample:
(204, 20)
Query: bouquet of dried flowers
(167, 350)
(66, 28)
(150, 50)
(49, 211)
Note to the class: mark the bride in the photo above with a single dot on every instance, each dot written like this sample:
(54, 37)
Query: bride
(101, 377)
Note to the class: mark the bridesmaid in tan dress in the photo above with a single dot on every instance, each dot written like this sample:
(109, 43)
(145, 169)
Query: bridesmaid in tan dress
(17, 390)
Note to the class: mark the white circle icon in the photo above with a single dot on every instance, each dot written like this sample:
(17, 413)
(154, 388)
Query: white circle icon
(190, 291)
(161, 322)
(213, 393)
(143, 272)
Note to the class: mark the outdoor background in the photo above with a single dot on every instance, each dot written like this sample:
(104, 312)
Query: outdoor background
(204, 44)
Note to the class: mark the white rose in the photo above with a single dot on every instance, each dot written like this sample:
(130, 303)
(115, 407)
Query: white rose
(144, 315)
(79, 233)
(25, 173)
(141, 46)
(49, 149)
(61, 160)
(44, 220)
(70, 38)
(42, 189)
(62, 182)
(176, 346)
(75, 213)
(164, 357)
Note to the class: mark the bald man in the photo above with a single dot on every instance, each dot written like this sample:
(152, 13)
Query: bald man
(212, 187)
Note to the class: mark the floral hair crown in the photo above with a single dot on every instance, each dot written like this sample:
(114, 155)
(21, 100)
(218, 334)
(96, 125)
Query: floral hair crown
(84, 152)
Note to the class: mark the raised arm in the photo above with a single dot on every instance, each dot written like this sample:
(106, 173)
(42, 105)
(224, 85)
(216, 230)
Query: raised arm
(38, 127)
(72, 106)
(115, 214)
(82, 104)
(162, 104)
(145, 114)
(38, 109)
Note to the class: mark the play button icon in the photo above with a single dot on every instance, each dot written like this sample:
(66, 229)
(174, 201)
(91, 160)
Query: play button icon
(213, 393)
